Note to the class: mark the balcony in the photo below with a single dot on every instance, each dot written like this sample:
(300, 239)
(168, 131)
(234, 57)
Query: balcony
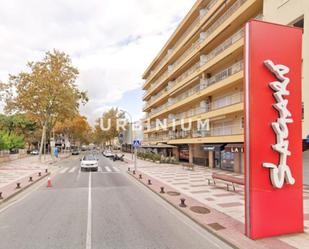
(196, 46)
(219, 131)
(211, 55)
(196, 23)
(235, 68)
(218, 103)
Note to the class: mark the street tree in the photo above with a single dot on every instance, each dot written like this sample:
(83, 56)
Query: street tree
(76, 128)
(106, 127)
(46, 91)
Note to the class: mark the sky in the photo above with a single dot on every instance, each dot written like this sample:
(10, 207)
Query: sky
(110, 42)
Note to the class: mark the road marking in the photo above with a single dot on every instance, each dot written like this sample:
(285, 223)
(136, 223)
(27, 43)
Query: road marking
(78, 175)
(72, 170)
(88, 236)
(108, 169)
(63, 170)
(116, 169)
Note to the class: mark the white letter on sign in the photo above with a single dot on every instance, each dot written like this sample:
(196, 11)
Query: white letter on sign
(280, 173)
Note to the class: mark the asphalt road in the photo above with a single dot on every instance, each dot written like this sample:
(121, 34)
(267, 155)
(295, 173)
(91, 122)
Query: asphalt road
(97, 210)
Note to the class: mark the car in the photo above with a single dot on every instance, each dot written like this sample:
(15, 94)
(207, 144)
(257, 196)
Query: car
(108, 153)
(75, 152)
(89, 162)
(34, 152)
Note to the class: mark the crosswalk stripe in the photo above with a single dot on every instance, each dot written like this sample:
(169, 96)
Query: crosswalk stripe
(63, 170)
(100, 169)
(116, 169)
(72, 170)
(108, 169)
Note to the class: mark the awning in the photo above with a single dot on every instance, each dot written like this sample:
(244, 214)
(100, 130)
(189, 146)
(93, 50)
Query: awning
(213, 147)
(234, 148)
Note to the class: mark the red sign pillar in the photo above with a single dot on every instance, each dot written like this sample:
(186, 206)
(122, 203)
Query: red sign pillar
(273, 130)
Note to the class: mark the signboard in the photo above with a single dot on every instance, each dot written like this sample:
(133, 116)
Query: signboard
(136, 143)
(273, 139)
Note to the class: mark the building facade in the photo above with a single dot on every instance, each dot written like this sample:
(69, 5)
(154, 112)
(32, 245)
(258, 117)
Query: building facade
(197, 77)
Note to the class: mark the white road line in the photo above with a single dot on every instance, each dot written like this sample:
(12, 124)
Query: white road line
(72, 170)
(78, 175)
(108, 169)
(63, 170)
(89, 217)
(116, 169)
(100, 169)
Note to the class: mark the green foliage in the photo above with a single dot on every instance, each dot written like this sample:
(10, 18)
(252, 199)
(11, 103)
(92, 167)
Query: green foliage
(11, 141)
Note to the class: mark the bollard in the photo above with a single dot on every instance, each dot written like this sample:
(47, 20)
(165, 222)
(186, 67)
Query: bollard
(18, 185)
(30, 179)
(162, 190)
(182, 202)
(39, 174)
(140, 176)
(1, 197)
(46, 170)
(129, 169)
(133, 172)
(149, 182)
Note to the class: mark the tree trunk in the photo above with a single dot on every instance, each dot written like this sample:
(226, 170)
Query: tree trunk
(42, 141)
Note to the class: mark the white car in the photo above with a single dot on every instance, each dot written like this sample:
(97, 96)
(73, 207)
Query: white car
(89, 162)
(34, 152)
(108, 153)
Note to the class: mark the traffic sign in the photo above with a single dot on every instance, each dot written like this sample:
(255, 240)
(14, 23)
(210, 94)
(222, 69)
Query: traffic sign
(136, 143)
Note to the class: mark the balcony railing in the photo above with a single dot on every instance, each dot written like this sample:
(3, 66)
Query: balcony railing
(179, 41)
(218, 103)
(215, 52)
(217, 131)
(235, 68)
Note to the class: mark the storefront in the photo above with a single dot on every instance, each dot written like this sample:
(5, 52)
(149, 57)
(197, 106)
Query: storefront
(183, 150)
(214, 154)
(232, 158)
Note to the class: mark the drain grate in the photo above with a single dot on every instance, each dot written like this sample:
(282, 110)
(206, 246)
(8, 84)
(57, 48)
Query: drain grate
(200, 210)
(173, 193)
(216, 226)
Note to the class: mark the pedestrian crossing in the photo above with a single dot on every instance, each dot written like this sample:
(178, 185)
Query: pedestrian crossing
(103, 169)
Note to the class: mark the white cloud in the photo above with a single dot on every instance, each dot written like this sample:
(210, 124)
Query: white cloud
(111, 42)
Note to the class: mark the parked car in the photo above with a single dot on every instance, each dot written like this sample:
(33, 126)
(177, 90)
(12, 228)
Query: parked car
(108, 153)
(89, 162)
(34, 152)
(116, 157)
(75, 152)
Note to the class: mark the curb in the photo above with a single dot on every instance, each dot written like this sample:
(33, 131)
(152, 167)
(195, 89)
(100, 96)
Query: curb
(22, 189)
(187, 215)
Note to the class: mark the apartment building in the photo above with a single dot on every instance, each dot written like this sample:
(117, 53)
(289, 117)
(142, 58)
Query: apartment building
(198, 77)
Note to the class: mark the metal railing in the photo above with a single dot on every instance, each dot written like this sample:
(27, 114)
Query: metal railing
(218, 103)
(235, 68)
(179, 41)
(215, 52)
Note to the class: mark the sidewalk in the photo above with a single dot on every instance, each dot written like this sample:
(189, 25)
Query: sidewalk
(227, 207)
(20, 171)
